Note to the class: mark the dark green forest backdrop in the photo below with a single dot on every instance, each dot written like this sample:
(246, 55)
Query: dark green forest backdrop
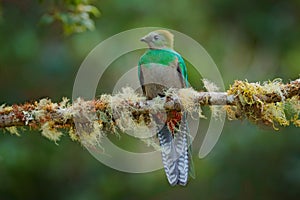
(253, 40)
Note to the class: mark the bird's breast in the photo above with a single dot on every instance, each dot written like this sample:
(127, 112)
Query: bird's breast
(159, 77)
(167, 76)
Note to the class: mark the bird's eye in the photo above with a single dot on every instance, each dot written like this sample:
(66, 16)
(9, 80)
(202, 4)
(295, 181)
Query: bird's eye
(155, 37)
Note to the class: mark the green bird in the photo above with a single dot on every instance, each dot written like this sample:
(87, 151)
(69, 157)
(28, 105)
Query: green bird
(159, 69)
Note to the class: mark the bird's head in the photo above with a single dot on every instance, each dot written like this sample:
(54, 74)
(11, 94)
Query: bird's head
(159, 39)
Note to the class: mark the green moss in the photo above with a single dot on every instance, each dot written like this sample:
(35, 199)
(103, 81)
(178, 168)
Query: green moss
(253, 103)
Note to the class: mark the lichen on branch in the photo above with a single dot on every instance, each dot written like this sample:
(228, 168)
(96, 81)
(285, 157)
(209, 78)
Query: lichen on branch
(271, 103)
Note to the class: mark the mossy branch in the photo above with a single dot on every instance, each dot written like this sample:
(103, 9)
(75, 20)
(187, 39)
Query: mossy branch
(272, 103)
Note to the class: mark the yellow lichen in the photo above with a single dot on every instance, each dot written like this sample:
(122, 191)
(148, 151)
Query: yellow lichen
(292, 109)
(246, 91)
(296, 122)
(274, 113)
(142, 125)
(73, 135)
(87, 128)
(274, 86)
(64, 103)
(41, 105)
(90, 136)
(232, 112)
(49, 132)
(2, 107)
(40, 110)
(121, 105)
(13, 130)
(257, 109)
(6, 108)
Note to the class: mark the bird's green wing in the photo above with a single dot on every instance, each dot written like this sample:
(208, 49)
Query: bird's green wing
(183, 69)
(181, 66)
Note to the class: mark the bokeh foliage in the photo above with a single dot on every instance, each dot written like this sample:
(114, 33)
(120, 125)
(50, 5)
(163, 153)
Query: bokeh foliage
(73, 15)
(254, 40)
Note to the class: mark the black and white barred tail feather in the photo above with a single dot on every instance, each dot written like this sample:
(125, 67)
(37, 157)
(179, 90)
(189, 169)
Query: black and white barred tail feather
(175, 153)
(168, 154)
(181, 146)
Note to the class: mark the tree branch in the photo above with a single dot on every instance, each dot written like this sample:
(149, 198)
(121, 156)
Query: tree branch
(271, 103)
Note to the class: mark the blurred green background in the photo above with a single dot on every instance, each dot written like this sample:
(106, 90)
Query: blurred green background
(254, 40)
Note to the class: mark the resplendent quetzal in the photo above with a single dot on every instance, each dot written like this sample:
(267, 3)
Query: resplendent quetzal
(159, 69)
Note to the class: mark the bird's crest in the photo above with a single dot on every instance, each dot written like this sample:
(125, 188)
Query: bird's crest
(168, 36)
(159, 39)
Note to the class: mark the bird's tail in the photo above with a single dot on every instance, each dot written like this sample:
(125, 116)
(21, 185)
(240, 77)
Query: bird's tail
(176, 154)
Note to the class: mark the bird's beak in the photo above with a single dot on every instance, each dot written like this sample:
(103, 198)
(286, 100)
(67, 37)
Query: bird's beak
(143, 39)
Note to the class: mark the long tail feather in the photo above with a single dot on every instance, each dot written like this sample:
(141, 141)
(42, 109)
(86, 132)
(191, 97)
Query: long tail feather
(176, 153)
(168, 153)
(182, 144)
